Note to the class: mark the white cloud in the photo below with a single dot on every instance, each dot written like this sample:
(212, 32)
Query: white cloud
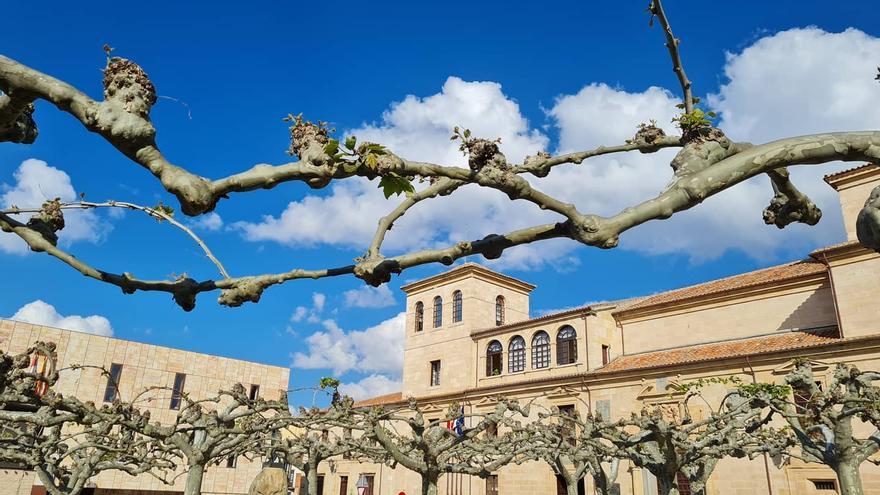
(794, 82)
(313, 314)
(36, 182)
(370, 386)
(376, 349)
(42, 313)
(369, 297)
(210, 222)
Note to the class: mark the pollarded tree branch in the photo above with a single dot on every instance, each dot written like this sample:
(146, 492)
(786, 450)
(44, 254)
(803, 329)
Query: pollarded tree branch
(656, 9)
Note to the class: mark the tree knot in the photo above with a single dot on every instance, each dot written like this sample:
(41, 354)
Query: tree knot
(127, 83)
(303, 133)
(376, 271)
(783, 210)
(48, 221)
(247, 290)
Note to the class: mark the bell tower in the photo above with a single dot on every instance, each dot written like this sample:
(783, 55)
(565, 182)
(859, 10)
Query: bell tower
(442, 311)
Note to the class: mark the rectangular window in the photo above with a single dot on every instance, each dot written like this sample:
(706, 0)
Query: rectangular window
(177, 390)
(492, 484)
(562, 490)
(231, 461)
(370, 484)
(825, 485)
(492, 430)
(603, 409)
(320, 484)
(255, 392)
(606, 354)
(435, 373)
(112, 391)
(343, 485)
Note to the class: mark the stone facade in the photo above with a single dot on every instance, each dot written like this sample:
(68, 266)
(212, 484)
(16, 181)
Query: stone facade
(143, 366)
(629, 354)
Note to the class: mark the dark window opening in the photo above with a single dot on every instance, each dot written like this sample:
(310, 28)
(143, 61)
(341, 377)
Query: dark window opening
(824, 485)
(494, 355)
(492, 484)
(566, 346)
(435, 373)
(320, 484)
(420, 316)
(343, 485)
(456, 306)
(111, 393)
(438, 312)
(562, 490)
(568, 428)
(606, 354)
(499, 311)
(370, 487)
(255, 392)
(231, 461)
(177, 390)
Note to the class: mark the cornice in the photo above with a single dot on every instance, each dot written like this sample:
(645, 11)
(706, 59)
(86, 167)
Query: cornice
(845, 179)
(463, 271)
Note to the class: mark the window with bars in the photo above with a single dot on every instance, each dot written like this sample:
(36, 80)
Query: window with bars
(492, 484)
(566, 345)
(177, 390)
(540, 350)
(420, 316)
(499, 311)
(494, 355)
(111, 392)
(606, 354)
(438, 311)
(435, 373)
(825, 485)
(456, 306)
(516, 355)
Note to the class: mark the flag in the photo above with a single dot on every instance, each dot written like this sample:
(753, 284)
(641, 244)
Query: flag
(458, 426)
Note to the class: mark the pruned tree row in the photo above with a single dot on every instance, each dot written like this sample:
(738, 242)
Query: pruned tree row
(68, 442)
(707, 163)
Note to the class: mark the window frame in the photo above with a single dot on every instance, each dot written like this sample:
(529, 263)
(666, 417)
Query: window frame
(457, 307)
(566, 345)
(438, 312)
(499, 310)
(436, 370)
(494, 355)
(606, 354)
(541, 355)
(516, 356)
(254, 392)
(177, 391)
(111, 390)
(419, 316)
(492, 484)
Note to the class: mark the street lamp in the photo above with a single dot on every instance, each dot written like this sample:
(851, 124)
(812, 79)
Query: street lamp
(362, 485)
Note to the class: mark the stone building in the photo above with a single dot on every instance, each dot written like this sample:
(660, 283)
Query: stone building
(138, 367)
(469, 338)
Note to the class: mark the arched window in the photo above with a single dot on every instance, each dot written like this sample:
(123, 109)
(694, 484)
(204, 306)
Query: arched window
(540, 350)
(566, 345)
(438, 311)
(499, 311)
(456, 306)
(493, 358)
(420, 316)
(516, 355)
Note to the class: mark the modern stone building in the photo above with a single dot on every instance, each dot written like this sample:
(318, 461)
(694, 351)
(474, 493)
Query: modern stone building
(138, 367)
(469, 338)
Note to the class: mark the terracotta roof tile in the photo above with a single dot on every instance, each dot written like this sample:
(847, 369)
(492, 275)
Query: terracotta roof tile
(843, 173)
(381, 400)
(751, 279)
(722, 350)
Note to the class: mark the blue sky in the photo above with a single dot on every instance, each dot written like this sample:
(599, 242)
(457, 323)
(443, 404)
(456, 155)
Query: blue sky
(558, 75)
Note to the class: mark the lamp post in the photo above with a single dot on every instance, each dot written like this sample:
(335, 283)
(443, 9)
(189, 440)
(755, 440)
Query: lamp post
(362, 485)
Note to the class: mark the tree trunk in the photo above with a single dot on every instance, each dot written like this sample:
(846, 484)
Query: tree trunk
(571, 487)
(849, 477)
(194, 480)
(429, 483)
(312, 477)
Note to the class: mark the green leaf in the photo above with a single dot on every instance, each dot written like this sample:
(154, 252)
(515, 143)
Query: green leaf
(351, 142)
(331, 147)
(371, 160)
(467, 133)
(395, 184)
